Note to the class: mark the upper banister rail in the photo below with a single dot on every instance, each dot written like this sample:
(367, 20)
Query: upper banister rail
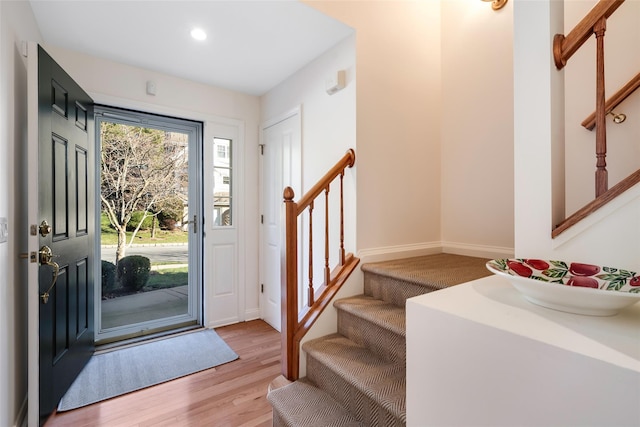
(565, 46)
(348, 160)
(614, 101)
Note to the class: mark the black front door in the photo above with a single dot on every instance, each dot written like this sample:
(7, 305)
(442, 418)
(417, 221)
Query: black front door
(66, 240)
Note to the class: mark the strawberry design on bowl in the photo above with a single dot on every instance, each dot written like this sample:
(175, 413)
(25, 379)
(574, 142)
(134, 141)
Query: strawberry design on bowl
(520, 268)
(583, 282)
(578, 269)
(538, 264)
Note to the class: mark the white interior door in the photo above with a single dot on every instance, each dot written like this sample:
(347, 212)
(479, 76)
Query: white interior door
(281, 167)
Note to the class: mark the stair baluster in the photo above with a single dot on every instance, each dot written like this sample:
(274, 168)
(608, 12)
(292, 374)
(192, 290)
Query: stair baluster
(311, 291)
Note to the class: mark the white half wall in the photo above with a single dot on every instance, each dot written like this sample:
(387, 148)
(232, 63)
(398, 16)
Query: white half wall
(328, 130)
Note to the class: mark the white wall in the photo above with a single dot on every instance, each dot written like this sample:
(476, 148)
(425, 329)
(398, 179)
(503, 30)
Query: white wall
(17, 24)
(477, 127)
(398, 117)
(328, 131)
(622, 62)
(121, 85)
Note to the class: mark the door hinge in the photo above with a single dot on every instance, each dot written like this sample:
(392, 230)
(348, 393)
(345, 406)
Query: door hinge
(262, 149)
(261, 219)
(262, 288)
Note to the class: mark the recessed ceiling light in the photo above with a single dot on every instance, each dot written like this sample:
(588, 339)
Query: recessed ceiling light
(198, 34)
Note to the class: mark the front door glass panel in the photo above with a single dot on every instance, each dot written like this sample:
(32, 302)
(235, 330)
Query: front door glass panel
(149, 213)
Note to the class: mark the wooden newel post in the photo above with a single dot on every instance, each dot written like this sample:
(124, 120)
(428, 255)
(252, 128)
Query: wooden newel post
(352, 160)
(602, 183)
(289, 289)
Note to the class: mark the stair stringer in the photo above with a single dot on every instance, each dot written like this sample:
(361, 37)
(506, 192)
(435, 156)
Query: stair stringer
(609, 236)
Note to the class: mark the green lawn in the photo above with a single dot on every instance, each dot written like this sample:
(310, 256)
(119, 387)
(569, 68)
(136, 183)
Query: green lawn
(167, 278)
(160, 278)
(108, 235)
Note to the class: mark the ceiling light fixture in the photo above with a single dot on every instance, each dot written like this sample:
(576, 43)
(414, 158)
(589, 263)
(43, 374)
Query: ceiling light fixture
(497, 4)
(198, 34)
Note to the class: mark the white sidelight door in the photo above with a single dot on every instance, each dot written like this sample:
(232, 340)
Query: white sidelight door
(223, 194)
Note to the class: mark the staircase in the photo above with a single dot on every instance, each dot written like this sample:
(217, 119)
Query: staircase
(357, 376)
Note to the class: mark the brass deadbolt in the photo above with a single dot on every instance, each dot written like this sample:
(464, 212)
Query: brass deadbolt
(45, 228)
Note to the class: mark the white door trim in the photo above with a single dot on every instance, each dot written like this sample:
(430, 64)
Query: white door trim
(280, 118)
(33, 383)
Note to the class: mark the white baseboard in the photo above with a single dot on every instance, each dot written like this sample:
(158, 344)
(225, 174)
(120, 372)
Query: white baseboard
(407, 251)
(397, 252)
(481, 251)
(252, 314)
(222, 322)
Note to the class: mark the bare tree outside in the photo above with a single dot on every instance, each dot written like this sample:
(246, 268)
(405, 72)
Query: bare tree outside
(143, 170)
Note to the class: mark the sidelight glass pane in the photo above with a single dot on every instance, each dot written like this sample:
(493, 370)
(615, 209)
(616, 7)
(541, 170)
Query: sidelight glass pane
(222, 182)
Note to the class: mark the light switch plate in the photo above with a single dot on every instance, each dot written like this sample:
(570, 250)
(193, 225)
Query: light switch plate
(4, 230)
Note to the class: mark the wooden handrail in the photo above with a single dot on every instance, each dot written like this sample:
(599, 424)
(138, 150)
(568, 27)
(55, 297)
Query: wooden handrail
(565, 47)
(296, 324)
(597, 203)
(622, 94)
(348, 160)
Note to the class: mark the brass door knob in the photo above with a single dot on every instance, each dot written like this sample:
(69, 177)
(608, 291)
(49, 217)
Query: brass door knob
(46, 258)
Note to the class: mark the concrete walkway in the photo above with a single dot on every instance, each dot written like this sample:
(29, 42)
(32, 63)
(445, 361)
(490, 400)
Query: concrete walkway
(144, 306)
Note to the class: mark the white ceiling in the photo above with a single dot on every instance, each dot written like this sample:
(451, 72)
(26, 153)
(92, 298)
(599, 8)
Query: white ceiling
(251, 45)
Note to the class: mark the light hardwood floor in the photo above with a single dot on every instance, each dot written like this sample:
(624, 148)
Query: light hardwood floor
(233, 394)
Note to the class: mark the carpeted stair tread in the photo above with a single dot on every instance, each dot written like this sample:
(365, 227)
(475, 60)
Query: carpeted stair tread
(380, 313)
(375, 324)
(359, 379)
(302, 404)
(432, 271)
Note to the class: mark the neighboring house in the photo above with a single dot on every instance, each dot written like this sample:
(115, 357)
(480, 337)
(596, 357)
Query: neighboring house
(450, 116)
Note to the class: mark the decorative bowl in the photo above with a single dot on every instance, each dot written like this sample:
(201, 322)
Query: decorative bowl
(570, 287)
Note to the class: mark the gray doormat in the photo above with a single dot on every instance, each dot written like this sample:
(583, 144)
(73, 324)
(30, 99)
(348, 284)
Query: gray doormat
(125, 370)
